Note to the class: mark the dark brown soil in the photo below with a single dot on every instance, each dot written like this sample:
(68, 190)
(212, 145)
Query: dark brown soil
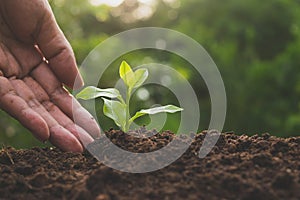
(238, 167)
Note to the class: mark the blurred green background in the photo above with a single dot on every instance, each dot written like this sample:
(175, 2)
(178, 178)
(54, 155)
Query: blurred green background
(255, 44)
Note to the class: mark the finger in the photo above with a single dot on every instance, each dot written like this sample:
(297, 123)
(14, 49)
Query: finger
(59, 136)
(18, 108)
(66, 102)
(57, 50)
(56, 113)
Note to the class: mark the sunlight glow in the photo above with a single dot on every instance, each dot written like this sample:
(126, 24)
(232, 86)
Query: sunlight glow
(147, 2)
(143, 12)
(111, 3)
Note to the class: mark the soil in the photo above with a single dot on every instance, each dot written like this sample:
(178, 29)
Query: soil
(238, 167)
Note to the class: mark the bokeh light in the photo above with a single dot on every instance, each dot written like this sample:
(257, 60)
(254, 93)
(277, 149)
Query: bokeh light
(112, 3)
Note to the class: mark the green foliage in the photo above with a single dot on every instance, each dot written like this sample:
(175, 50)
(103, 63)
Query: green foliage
(118, 110)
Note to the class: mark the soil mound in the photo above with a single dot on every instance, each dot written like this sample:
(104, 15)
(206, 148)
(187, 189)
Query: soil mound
(238, 167)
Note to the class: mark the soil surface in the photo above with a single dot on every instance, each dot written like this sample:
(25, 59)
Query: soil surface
(238, 167)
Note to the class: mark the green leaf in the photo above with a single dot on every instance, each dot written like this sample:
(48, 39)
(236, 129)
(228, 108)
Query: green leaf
(116, 111)
(126, 74)
(152, 111)
(140, 77)
(124, 69)
(92, 92)
(130, 78)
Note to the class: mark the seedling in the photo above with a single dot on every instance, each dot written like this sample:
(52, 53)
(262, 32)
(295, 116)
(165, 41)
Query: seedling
(115, 107)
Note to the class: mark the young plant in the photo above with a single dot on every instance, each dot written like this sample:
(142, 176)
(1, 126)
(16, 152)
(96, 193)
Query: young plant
(115, 107)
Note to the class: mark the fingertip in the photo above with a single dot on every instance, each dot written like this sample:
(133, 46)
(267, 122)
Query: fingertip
(83, 136)
(65, 140)
(85, 120)
(97, 131)
(36, 124)
(41, 132)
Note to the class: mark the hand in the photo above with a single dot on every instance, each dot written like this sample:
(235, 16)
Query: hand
(35, 61)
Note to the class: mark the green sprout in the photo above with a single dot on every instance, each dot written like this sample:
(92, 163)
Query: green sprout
(115, 107)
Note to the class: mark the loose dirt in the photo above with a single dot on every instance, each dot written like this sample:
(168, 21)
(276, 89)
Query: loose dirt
(238, 167)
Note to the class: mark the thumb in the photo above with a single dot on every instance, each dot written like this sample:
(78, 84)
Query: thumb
(54, 46)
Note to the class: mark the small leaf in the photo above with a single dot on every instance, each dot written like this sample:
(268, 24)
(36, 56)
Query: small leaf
(140, 77)
(116, 111)
(126, 74)
(152, 111)
(167, 108)
(92, 92)
(124, 69)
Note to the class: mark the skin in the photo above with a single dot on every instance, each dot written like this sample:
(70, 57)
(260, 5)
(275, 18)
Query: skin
(36, 62)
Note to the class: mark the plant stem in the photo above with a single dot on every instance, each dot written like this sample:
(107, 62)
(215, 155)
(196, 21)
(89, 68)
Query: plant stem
(127, 124)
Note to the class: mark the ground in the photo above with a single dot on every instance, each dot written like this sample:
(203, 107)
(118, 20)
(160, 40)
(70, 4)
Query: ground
(238, 167)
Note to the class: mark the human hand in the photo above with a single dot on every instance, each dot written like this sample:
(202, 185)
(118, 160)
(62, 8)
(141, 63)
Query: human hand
(35, 61)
